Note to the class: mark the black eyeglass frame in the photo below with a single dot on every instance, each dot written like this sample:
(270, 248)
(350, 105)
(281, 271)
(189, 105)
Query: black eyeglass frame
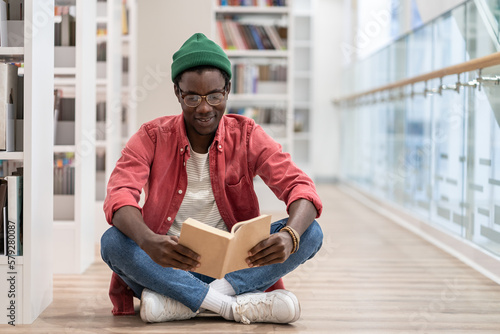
(183, 96)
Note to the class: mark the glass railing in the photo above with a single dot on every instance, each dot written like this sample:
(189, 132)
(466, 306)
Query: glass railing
(434, 152)
(493, 14)
(466, 32)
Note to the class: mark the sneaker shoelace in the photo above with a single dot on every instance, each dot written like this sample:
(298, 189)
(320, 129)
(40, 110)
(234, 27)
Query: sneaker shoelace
(257, 310)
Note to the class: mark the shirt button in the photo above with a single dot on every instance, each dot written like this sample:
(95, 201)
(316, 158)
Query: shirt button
(180, 191)
(169, 218)
(220, 147)
(184, 163)
(182, 150)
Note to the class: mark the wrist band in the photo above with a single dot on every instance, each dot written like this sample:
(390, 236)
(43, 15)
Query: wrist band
(295, 237)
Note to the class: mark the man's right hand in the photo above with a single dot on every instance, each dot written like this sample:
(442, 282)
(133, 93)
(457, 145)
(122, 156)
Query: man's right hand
(163, 249)
(167, 252)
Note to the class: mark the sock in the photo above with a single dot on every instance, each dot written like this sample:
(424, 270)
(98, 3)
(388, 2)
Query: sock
(223, 286)
(219, 303)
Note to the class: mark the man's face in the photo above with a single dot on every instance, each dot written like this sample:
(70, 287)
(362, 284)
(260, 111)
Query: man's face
(202, 120)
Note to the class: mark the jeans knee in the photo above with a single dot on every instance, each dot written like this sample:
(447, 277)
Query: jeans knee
(315, 236)
(108, 242)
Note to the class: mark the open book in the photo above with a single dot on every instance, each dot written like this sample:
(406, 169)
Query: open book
(223, 252)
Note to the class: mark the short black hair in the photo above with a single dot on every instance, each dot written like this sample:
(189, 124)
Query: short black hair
(199, 70)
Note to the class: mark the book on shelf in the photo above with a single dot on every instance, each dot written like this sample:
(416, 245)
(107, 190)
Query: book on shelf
(8, 105)
(125, 18)
(250, 77)
(12, 23)
(255, 3)
(64, 119)
(64, 174)
(15, 213)
(65, 26)
(11, 194)
(19, 121)
(3, 215)
(4, 34)
(234, 35)
(261, 115)
(223, 252)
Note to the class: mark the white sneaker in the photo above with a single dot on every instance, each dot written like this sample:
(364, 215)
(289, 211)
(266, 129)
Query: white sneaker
(159, 308)
(278, 306)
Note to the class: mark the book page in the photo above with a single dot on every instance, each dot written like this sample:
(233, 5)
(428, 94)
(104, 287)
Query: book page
(209, 242)
(246, 235)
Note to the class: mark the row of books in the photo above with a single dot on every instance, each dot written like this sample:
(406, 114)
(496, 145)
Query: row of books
(64, 119)
(101, 51)
(102, 12)
(248, 78)
(64, 174)
(65, 26)
(11, 23)
(233, 35)
(260, 3)
(11, 108)
(261, 115)
(11, 214)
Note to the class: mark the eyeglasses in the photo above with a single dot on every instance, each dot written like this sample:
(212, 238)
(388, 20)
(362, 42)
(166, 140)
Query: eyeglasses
(192, 100)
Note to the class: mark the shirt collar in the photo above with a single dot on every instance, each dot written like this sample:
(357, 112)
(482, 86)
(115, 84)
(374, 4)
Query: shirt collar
(183, 141)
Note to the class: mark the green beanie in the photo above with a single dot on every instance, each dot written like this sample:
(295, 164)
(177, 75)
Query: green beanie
(199, 50)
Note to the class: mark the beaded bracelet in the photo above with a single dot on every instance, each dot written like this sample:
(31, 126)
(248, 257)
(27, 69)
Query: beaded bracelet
(295, 237)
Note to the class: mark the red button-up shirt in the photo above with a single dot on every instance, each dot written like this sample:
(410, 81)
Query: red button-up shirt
(154, 159)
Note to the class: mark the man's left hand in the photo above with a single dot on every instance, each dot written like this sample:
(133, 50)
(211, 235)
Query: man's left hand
(275, 249)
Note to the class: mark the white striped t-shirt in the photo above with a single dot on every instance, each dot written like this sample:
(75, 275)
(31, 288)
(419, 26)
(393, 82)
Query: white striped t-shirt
(199, 202)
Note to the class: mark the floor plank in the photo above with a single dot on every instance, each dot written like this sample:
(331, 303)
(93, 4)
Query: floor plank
(371, 276)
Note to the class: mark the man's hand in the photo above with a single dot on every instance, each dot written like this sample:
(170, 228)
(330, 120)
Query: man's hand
(167, 252)
(275, 249)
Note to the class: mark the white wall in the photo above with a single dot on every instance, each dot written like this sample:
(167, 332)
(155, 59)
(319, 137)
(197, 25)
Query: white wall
(162, 28)
(328, 33)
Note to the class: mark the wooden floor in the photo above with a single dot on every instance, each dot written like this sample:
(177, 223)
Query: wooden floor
(371, 276)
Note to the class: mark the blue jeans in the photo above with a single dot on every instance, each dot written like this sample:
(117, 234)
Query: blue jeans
(139, 271)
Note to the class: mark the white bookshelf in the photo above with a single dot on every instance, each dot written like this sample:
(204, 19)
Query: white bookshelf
(115, 90)
(252, 10)
(283, 134)
(11, 155)
(11, 53)
(130, 43)
(258, 98)
(258, 53)
(266, 100)
(299, 59)
(33, 270)
(302, 75)
(73, 246)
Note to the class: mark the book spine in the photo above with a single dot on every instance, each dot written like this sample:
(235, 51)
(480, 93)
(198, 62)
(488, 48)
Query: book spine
(256, 37)
(236, 36)
(220, 35)
(225, 29)
(10, 136)
(8, 96)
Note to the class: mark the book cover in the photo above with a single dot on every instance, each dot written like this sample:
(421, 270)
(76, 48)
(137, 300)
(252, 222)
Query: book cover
(223, 252)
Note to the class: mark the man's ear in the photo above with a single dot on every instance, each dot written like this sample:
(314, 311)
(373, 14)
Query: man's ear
(228, 88)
